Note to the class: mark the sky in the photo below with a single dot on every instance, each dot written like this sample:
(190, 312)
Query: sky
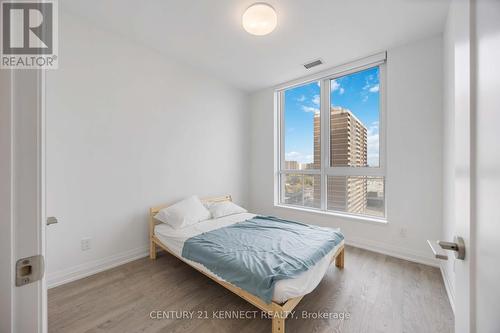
(358, 92)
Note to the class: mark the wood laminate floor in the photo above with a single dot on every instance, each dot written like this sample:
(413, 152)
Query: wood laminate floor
(378, 292)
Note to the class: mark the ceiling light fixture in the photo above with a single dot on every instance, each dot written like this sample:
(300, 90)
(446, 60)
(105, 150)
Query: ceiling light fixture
(259, 19)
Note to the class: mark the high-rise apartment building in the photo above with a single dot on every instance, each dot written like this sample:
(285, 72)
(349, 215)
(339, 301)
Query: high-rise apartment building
(348, 148)
(348, 139)
(292, 165)
(317, 142)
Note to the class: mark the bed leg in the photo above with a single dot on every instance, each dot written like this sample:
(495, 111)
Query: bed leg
(278, 324)
(339, 260)
(152, 250)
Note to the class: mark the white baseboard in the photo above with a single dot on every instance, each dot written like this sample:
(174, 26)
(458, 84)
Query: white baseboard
(447, 284)
(392, 251)
(89, 268)
(80, 271)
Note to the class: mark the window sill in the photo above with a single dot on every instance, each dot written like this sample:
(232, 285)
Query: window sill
(368, 219)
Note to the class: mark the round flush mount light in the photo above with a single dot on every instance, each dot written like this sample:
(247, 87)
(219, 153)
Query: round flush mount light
(259, 19)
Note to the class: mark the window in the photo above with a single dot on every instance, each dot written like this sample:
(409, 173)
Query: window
(331, 143)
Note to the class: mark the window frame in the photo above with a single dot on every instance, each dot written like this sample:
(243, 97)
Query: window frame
(325, 77)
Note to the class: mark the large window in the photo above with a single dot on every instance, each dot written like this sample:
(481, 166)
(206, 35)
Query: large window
(331, 143)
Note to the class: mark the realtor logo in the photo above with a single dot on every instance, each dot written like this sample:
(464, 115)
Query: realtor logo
(29, 34)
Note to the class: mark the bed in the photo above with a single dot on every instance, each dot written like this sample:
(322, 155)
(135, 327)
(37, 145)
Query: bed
(287, 292)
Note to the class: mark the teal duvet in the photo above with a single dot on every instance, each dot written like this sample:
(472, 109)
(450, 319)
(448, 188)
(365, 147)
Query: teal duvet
(256, 253)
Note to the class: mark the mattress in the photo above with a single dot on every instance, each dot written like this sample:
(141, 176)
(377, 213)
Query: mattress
(302, 284)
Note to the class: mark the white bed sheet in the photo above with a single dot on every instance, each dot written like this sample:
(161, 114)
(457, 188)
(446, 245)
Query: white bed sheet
(301, 285)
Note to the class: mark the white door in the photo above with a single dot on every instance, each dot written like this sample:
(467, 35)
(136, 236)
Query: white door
(477, 163)
(463, 277)
(486, 217)
(462, 163)
(22, 233)
(457, 176)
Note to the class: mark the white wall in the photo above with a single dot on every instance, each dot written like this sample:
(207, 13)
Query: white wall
(414, 162)
(128, 129)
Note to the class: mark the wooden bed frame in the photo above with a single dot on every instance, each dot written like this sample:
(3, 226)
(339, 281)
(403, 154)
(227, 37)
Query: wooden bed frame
(278, 312)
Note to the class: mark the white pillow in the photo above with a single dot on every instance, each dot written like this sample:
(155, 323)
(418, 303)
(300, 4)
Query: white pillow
(220, 209)
(183, 213)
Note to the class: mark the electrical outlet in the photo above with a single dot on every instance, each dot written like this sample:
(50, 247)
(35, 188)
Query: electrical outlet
(403, 232)
(85, 244)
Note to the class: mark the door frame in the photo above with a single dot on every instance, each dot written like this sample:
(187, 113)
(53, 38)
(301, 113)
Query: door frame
(24, 308)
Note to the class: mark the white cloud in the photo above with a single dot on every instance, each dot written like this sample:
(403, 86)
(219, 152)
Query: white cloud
(371, 83)
(292, 155)
(301, 98)
(341, 91)
(365, 98)
(334, 85)
(299, 157)
(309, 109)
(373, 127)
(315, 99)
(373, 144)
(373, 160)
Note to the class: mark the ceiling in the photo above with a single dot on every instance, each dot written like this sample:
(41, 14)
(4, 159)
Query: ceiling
(207, 34)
